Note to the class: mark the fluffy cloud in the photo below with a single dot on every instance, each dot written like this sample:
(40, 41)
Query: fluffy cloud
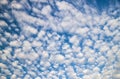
(65, 42)
(3, 23)
(26, 46)
(15, 43)
(3, 2)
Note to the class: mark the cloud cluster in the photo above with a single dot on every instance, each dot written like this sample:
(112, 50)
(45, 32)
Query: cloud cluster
(60, 42)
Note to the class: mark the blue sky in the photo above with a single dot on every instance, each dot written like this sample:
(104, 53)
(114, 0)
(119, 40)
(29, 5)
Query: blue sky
(60, 39)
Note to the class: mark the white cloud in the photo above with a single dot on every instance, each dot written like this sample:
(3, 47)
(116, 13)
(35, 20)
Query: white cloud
(116, 37)
(79, 15)
(74, 40)
(110, 56)
(3, 77)
(37, 78)
(46, 10)
(7, 72)
(21, 37)
(52, 45)
(65, 46)
(96, 76)
(59, 58)
(86, 76)
(104, 48)
(29, 62)
(3, 23)
(98, 43)
(41, 34)
(3, 2)
(101, 58)
(69, 20)
(80, 61)
(115, 48)
(30, 29)
(46, 64)
(79, 55)
(7, 52)
(96, 31)
(56, 37)
(7, 15)
(82, 31)
(86, 71)
(18, 50)
(13, 76)
(15, 43)
(29, 19)
(88, 42)
(27, 76)
(32, 56)
(64, 6)
(68, 12)
(68, 59)
(70, 72)
(45, 54)
(108, 32)
(91, 60)
(36, 44)
(21, 55)
(3, 65)
(16, 5)
(66, 24)
(32, 73)
(116, 76)
(18, 72)
(113, 23)
(3, 57)
(15, 36)
(88, 51)
(35, 10)
(96, 69)
(7, 34)
(76, 49)
(15, 63)
(26, 46)
(107, 74)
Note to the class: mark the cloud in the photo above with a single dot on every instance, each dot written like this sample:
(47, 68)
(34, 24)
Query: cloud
(7, 34)
(32, 56)
(116, 76)
(58, 58)
(16, 5)
(3, 77)
(27, 76)
(15, 43)
(3, 23)
(70, 72)
(13, 76)
(26, 46)
(3, 2)
(66, 41)
(41, 34)
(36, 44)
(88, 42)
(37, 78)
(91, 60)
(30, 30)
(74, 40)
(46, 10)
(3, 65)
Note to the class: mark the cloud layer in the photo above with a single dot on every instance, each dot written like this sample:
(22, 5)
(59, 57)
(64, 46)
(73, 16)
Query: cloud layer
(59, 40)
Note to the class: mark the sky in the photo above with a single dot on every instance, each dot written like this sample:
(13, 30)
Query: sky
(59, 39)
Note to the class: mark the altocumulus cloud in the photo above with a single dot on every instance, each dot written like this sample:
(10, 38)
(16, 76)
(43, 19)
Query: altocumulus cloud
(59, 39)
